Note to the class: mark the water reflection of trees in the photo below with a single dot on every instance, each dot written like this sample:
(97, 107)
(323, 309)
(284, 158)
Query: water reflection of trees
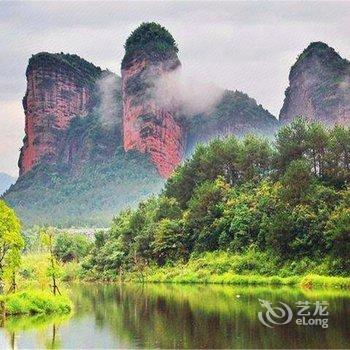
(186, 316)
(47, 325)
(170, 316)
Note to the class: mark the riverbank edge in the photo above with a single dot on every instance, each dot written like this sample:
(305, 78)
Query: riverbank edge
(35, 302)
(306, 281)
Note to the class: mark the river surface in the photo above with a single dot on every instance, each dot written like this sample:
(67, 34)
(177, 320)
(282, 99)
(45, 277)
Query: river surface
(188, 316)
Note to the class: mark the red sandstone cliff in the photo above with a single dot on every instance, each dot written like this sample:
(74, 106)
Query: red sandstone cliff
(57, 91)
(149, 127)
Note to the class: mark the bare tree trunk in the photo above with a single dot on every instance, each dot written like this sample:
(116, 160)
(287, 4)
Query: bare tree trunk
(53, 336)
(13, 286)
(13, 340)
(3, 313)
(54, 286)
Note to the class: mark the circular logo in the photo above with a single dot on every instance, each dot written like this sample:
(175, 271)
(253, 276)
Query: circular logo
(274, 315)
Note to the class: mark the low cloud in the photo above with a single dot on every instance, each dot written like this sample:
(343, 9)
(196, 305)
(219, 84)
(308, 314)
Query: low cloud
(191, 94)
(109, 108)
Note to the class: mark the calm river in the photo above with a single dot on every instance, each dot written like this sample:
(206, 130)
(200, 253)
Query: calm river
(188, 316)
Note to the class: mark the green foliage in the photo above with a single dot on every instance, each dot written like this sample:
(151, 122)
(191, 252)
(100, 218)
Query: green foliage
(10, 230)
(327, 54)
(32, 302)
(86, 70)
(296, 181)
(29, 301)
(88, 196)
(11, 242)
(168, 241)
(71, 246)
(54, 270)
(338, 234)
(250, 268)
(150, 38)
(204, 208)
(272, 206)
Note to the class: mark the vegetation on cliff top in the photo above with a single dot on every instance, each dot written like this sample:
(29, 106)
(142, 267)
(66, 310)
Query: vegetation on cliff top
(151, 39)
(283, 207)
(86, 70)
(325, 53)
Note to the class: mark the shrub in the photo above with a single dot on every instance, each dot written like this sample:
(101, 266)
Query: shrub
(35, 302)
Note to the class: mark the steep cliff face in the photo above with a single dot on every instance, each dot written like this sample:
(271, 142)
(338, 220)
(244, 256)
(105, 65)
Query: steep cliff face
(59, 88)
(95, 137)
(149, 127)
(319, 87)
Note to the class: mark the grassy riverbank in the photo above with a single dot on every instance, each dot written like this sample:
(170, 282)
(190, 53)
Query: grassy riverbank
(253, 268)
(32, 302)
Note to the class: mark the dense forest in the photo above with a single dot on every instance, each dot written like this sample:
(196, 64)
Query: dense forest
(282, 204)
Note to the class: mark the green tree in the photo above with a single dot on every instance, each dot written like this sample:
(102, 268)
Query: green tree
(296, 181)
(219, 158)
(11, 241)
(254, 158)
(47, 237)
(316, 147)
(13, 263)
(205, 207)
(280, 233)
(70, 246)
(338, 233)
(243, 195)
(168, 241)
(337, 168)
(291, 144)
(167, 208)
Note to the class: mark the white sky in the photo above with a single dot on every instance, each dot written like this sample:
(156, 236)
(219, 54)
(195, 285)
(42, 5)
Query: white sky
(249, 46)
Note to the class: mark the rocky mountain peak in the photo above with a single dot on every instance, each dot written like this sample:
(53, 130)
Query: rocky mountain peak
(60, 87)
(149, 127)
(319, 87)
(317, 58)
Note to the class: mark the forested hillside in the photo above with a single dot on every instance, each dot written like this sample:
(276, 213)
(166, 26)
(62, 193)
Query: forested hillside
(53, 194)
(283, 206)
